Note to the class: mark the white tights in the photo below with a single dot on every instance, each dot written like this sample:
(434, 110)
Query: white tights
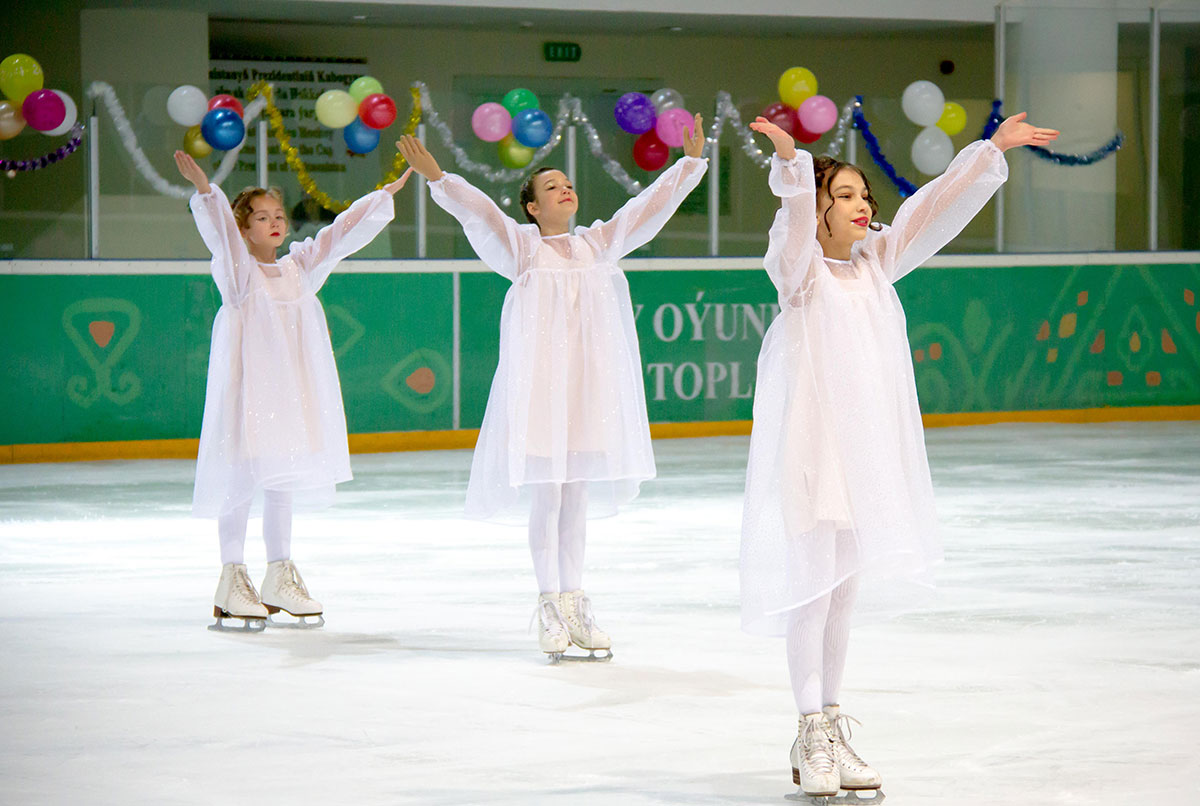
(817, 636)
(277, 528)
(557, 531)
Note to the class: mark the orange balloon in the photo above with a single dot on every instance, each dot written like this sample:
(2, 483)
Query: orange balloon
(11, 120)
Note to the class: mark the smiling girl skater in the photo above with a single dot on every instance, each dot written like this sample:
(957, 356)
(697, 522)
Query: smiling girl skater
(566, 424)
(838, 493)
(273, 419)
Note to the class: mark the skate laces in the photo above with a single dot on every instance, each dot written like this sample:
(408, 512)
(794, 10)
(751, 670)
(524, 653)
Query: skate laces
(547, 614)
(243, 588)
(816, 741)
(841, 733)
(293, 581)
(584, 613)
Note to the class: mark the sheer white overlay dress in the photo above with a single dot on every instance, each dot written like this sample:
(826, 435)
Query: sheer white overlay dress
(273, 416)
(568, 401)
(838, 481)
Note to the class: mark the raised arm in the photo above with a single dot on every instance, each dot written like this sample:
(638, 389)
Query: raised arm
(641, 218)
(354, 228)
(231, 263)
(935, 214)
(793, 234)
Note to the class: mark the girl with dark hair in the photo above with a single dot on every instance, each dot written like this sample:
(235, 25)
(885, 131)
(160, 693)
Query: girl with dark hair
(838, 495)
(565, 435)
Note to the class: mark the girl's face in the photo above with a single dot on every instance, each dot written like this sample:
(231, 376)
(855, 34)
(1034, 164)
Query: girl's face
(267, 225)
(554, 199)
(844, 208)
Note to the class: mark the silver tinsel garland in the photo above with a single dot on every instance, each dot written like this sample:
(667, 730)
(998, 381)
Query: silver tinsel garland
(845, 121)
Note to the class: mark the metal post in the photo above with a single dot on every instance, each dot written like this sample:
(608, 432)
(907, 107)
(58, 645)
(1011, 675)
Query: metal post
(262, 153)
(93, 187)
(456, 354)
(571, 175)
(714, 199)
(423, 213)
(851, 146)
(999, 44)
(1152, 183)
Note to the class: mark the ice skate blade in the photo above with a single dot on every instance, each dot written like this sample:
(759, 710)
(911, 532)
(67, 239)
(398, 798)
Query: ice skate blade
(851, 797)
(301, 622)
(248, 624)
(591, 657)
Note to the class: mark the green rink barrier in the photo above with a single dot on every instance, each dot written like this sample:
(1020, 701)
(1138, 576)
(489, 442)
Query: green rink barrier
(122, 354)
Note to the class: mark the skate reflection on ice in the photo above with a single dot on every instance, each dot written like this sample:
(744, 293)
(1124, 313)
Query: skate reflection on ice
(862, 797)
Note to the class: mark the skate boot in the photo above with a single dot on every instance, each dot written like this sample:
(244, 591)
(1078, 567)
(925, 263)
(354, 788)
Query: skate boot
(552, 633)
(237, 599)
(283, 589)
(854, 772)
(576, 609)
(813, 764)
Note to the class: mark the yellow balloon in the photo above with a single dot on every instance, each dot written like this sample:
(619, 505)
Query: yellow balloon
(336, 109)
(512, 153)
(20, 74)
(797, 85)
(11, 120)
(953, 119)
(195, 144)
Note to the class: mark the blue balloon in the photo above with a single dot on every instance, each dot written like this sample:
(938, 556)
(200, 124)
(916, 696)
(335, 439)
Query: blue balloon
(360, 138)
(635, 113)
(223, 129)
(532, 128)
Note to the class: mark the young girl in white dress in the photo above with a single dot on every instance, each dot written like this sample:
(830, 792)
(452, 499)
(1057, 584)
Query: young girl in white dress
(273, 419)
(565, 434)
(838, 494)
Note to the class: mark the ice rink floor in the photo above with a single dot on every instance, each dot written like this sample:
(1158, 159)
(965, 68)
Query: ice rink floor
(1058, 664)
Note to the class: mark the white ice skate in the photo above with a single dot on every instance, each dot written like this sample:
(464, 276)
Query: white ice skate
(552, 633)
(237, 599)
(855, 773)
(816, 767)
(576, 609)
(283, 589)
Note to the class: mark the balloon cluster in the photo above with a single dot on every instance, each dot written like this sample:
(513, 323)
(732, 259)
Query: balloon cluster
(800, 111)
(517, 125)
(51, 112)
(659, 120)
(924, 104)
(361, 112)
(212, 123)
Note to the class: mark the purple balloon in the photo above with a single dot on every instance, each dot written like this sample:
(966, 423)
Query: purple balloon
(43, 110)
(635, 113)
(671, 124)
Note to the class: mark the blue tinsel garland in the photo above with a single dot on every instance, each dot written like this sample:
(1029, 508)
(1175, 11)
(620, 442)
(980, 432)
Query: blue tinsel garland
(996, 118)
(905, 187)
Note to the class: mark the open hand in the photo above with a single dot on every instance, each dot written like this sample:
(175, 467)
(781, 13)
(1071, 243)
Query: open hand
(693, 139)
(785, 146)
(1014, 131)
(191, 171)
(392, 187)
(414, 151)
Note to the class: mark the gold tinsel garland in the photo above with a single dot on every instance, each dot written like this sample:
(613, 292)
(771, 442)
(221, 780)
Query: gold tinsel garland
(292, 155)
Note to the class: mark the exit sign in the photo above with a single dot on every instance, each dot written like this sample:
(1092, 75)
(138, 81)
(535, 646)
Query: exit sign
(561, 51)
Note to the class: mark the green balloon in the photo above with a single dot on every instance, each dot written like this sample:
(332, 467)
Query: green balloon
(513, 154)
(518, 99)
(364, 86)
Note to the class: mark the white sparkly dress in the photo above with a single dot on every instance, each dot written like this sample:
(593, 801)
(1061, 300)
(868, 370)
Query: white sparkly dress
(273, 415)
(838, 481)
(568, 401)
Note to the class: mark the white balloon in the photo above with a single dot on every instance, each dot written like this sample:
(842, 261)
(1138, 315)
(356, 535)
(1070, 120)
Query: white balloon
(666, 98)
(923, 103)
(932, 151)
(186, 105)
(70, 118)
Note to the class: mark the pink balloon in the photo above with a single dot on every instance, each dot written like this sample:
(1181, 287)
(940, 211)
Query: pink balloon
(670, 125)
(43, 110)
(491, 122)
(817, 114)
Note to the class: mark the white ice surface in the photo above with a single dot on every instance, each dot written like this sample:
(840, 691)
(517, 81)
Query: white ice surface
(1059, 663)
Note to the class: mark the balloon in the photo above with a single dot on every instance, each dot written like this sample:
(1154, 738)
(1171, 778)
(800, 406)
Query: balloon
(193, 143)
(797, 85)
(360, 138)
(186, 105)
(226, 102)
(665, 99)
(782, 116)
(953, 119)
(804, 135)
(932, 151)
(377, 111)
(923, 103)
(43, 110)
(513, 154)
(335, 109)
(518, 99)
(223, 129)
(491, 122)
(364, 86)
(72, 114)
(154, 105)
(817, 114)
(649, 152)
(11, 120)
(20, 74)
(671, 124)
(532, 127)
(634, 113)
